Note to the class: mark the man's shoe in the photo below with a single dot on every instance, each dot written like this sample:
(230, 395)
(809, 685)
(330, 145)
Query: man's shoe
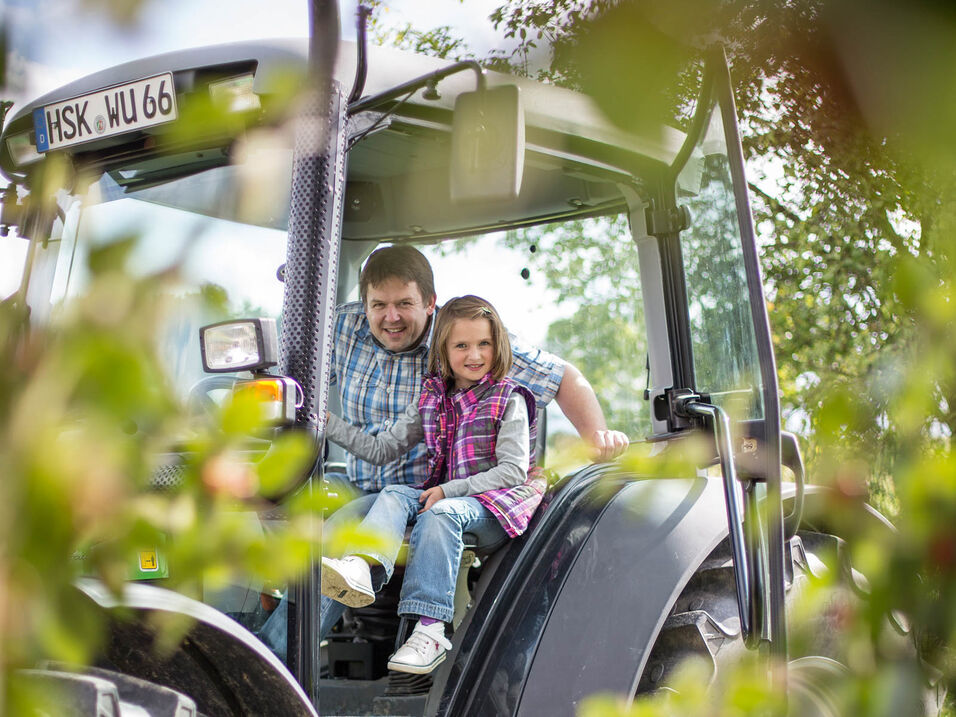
(348, 581)
(423, 651)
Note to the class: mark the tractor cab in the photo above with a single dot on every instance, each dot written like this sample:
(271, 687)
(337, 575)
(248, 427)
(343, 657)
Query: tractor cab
(265, 224)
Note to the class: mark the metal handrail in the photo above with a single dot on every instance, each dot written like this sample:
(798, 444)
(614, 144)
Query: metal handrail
(745, 560)
(768, 374)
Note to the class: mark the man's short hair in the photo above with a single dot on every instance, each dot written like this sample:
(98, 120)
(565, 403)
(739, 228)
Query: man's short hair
(402, 262)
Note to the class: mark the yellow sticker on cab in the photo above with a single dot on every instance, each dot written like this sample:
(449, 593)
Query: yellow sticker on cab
(148, 562)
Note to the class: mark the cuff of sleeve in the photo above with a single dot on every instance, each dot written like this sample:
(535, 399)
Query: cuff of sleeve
(334, 428)
(454, 489)
(552, 385)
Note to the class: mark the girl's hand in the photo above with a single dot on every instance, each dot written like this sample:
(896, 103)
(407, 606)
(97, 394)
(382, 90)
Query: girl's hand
(429, 497)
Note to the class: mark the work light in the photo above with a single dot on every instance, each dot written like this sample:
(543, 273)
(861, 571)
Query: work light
(239, 345)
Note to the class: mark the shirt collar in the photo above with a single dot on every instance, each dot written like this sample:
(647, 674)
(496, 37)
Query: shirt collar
(475, 391)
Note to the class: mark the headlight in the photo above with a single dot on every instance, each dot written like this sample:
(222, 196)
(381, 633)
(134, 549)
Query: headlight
(240, 345)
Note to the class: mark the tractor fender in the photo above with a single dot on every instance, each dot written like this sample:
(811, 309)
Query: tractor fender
(636, 560)
(586, 598)
(218, 663)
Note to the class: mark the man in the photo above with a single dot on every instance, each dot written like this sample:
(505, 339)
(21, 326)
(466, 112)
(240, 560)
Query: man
(380, 355)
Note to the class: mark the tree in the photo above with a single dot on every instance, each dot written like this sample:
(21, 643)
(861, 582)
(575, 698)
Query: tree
(437, 42)
(603, 336)
(848, 109)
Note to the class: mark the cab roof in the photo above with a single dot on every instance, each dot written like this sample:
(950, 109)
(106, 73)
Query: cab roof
(575, 164)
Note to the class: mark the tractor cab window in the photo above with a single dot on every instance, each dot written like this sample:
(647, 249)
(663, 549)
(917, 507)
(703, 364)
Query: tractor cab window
(725, 351)
(223, 266)
(570, 288)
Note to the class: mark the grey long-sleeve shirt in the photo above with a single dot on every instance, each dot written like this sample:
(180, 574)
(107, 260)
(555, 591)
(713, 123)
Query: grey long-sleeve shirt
(512, 448)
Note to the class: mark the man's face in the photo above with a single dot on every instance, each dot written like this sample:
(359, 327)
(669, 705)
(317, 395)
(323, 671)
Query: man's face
(397, 314)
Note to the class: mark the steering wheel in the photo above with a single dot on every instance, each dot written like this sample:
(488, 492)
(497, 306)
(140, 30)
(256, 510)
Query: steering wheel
(199, 401)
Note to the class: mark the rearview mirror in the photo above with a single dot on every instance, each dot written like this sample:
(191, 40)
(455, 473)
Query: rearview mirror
(487, 146)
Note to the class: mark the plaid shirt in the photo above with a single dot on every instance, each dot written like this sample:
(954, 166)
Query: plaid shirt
(461, 432)
(375, 385)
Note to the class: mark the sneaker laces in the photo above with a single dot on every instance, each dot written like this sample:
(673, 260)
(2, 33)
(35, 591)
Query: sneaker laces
(419, 641)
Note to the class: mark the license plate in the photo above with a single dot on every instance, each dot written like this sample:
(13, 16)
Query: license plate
(105, 113)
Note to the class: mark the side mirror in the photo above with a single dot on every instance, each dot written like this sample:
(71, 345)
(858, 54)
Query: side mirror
(487, 146)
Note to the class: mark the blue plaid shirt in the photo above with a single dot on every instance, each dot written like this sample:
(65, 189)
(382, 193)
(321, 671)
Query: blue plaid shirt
(375, 385)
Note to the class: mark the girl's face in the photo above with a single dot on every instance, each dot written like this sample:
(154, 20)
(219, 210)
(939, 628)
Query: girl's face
(471, 351)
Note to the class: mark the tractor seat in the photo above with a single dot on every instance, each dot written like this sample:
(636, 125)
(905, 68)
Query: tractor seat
(470, 556)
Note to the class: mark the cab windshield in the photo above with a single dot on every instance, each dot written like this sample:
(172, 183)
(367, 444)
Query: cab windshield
(225, 263)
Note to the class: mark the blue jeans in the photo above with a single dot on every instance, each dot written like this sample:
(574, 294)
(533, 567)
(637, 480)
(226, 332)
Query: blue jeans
(435, 549)
(435, 546)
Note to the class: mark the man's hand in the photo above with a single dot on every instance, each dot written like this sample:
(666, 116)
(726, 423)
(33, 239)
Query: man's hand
(608, 444)
(578, 402)
(429, 497)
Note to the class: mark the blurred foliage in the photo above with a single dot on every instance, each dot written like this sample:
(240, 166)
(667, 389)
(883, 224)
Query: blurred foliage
(852, 175)
(89, 421)
(86, 410)
(848, 111)
(124, 13)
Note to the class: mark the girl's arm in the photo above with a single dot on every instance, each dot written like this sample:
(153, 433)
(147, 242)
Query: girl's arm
(512, 451)
(383, 448)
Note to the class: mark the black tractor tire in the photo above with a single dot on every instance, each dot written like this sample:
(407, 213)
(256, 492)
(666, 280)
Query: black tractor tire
(704, 624)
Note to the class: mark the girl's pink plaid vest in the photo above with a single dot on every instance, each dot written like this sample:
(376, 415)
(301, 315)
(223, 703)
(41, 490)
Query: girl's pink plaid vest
(461, 430)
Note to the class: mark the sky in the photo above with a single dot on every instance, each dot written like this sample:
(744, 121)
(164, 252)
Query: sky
(52, 42)
(48, 53)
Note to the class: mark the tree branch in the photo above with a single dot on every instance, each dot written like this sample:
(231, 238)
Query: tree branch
(775, 204)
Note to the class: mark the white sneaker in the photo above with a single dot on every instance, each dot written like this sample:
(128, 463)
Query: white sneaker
(348, 581)
(423, 651)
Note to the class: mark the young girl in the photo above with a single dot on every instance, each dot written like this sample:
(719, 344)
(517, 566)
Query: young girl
(479, 429)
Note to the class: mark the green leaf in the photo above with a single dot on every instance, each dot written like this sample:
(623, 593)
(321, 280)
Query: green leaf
(287, 460)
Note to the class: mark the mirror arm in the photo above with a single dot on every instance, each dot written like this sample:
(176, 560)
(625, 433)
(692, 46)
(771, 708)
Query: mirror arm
(361, 63)
(429, 80)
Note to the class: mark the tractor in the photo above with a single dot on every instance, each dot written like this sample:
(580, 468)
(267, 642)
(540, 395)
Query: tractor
(626, 569)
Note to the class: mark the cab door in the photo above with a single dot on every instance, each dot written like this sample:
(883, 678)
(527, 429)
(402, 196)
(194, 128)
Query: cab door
(721, 344)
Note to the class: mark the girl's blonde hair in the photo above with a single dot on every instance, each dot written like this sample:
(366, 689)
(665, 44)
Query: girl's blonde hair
(469, 307)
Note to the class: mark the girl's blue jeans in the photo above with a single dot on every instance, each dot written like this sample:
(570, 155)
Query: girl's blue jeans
(435, 545)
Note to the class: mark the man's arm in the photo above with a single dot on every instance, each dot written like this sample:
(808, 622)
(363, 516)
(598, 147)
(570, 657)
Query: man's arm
(578, 402)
